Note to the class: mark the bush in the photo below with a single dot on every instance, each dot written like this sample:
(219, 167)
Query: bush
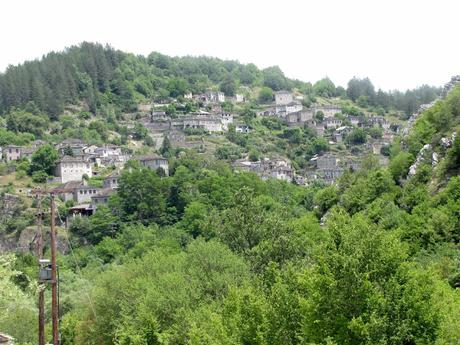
(39, 176)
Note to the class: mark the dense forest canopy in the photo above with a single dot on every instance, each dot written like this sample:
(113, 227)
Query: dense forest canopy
(100, 75)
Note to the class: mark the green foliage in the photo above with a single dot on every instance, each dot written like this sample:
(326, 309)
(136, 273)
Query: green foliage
(399, 165)
(324, 87)
(143, 197)
(364, 293)
(265, 95)
(228, 86)
(228, 153)
(44, 161)
(17, 307)
(274, 78)
(25, 122)
(356, 137)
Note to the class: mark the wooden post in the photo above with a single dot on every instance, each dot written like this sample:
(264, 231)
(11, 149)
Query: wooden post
(41, 293)
(54, 282)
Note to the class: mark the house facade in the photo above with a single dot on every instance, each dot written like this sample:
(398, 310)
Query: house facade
(72, 169)
(283, 98)
(327, 110)
(111, 181)
(12, 153)
(154, 162)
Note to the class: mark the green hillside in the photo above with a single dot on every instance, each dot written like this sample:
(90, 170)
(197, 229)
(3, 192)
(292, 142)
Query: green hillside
(209, 254)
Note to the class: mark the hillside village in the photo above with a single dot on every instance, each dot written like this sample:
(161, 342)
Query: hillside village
(195, 201)
(80, 162)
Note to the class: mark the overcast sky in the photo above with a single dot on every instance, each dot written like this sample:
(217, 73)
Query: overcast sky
(398, 44)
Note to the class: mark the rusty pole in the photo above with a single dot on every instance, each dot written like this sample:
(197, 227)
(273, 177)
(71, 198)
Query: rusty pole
(41, 293)
(54, 282)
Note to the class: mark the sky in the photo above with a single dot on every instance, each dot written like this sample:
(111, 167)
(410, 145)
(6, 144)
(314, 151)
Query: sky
(398, 44)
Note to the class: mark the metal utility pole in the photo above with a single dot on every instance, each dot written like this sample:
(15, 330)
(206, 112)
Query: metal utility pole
(41, 293)
(54, 297)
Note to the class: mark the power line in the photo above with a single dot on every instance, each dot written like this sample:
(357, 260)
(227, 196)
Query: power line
(76, 264)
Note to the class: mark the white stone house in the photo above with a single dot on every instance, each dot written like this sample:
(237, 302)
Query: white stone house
(102, 198)
(327, 110)
(108, 151)
(285, 109)
(72, 169)
(154, 162)
(12, 153)
(84, 193)
(209, 123)
(326, 161)
(215, 97)
(355, 120)
(299, 117)
(339, 133)
(333, 122)
(226, 119)
(111, 181)
(90, 150)
(239, 98)
(283, 97)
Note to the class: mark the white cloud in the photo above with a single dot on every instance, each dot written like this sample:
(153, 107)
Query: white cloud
(398, 44)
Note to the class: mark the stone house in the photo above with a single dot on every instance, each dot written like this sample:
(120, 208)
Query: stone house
(154, 162)
(330, 175)
(102, 198)
(326, 161)
(215, 97)
(266, 168)
(327, 110)
(90, 150)
(66, 190)
(188, 95)
(375, 121)
(84, 193)
(239, 98)
(319, 128)
(333, 122)
(76, 145)
(385, 124)
(283, 98)
(378, 145)
(108, 151)
(12, 153)
(111, 181)
(72, 169)
(210, 123)
(299, 117)
(226, 119)
(285, 109)
(355, 120)
(27, 152)
(339, 134)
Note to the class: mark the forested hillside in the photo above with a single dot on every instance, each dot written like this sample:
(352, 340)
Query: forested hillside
(206, 254)
(99, 76)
